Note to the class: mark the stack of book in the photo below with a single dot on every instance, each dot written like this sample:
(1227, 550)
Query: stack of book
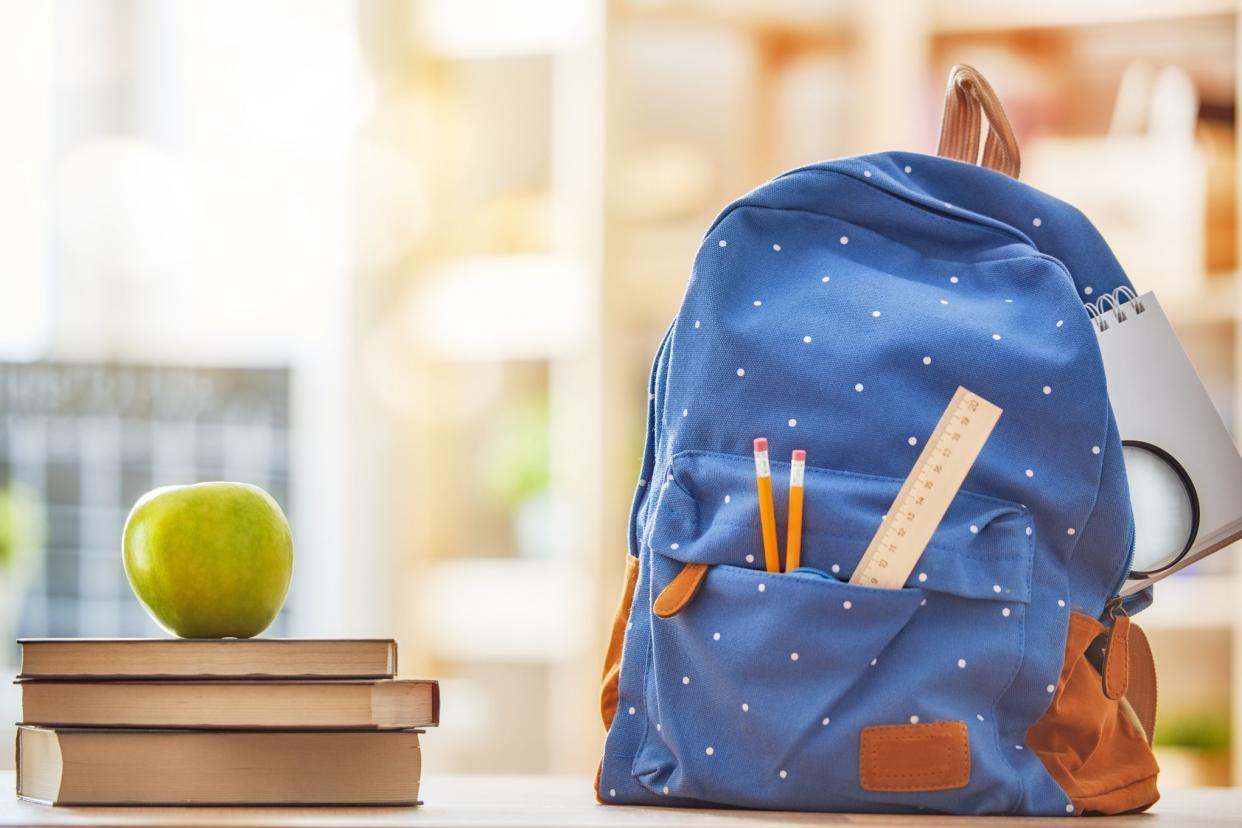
(228, 722)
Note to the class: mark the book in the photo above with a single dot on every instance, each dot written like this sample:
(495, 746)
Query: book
(266, 705)
(253, 658)
(59, 766)
(1184, 471)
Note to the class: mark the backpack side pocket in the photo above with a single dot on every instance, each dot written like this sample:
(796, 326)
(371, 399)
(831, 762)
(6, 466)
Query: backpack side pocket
(1094, 746)
(610, 689)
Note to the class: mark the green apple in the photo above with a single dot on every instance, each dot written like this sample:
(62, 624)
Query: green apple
(212, 560)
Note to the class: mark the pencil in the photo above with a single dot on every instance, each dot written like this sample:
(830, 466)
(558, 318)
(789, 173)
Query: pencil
(767, 512)
(793, 543)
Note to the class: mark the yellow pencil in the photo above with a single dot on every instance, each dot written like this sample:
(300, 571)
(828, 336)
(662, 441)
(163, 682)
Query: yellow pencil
(767, 512)
(793, 543)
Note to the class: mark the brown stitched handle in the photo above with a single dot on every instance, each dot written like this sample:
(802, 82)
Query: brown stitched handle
(970, 102)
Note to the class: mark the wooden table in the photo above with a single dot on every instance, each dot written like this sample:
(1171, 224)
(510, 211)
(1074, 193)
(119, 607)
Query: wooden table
(559, 802)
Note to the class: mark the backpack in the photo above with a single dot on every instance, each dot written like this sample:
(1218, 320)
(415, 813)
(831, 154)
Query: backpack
(835, 309)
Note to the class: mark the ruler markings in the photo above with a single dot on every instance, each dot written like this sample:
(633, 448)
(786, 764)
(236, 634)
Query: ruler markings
(928, 490)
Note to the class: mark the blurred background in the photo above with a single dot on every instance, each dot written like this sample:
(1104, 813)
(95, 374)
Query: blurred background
(405, 265)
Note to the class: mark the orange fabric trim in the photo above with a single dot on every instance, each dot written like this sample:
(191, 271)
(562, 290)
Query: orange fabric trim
(914, 757)
(1117, 658)
(1093, 750)
(1142, 693)
(674, 597)
(610, 691)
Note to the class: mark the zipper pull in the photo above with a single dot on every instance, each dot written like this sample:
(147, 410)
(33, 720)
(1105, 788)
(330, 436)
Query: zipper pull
(1117, 651)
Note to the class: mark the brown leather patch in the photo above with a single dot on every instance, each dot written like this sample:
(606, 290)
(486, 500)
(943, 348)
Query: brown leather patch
(674, 597)
(1117, 658)
(610, 691)
(914, 757)
(1092, 746)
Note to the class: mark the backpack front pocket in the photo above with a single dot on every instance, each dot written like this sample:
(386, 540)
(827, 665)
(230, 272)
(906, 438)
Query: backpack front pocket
(758, 688)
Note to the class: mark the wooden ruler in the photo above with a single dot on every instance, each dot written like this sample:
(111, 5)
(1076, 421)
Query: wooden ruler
(947, 456)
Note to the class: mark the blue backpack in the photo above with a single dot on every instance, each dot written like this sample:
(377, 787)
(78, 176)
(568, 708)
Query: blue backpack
(836, 309)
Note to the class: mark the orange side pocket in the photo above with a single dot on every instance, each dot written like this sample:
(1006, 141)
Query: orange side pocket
(612, 660)
(1091, 744)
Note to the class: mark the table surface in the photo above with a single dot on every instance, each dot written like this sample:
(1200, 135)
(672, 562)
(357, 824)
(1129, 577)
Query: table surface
(519, 801)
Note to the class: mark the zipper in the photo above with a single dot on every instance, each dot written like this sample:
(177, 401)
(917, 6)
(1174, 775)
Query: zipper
(1125, 572)
(925, 203)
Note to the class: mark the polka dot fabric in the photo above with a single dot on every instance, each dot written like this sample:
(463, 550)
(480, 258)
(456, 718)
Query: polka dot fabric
(836, 309)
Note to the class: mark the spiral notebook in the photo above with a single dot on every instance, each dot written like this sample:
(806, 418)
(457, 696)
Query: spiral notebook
(1159, 402)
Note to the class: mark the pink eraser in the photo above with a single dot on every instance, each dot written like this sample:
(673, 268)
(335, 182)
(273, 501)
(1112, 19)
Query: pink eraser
(761, 444)
(799, 456)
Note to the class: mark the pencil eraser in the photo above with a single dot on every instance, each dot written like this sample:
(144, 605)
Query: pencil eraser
(799, 456)
(761, 444)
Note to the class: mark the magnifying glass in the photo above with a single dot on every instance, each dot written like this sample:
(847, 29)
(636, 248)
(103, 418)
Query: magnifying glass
(1165, 505)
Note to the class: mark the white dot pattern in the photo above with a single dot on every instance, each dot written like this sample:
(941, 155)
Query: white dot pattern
(831, 365)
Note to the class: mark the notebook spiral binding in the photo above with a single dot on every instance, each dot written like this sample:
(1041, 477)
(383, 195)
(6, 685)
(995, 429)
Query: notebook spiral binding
(1116, 302)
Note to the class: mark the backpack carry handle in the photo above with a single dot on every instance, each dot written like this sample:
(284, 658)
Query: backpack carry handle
(969, 101)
